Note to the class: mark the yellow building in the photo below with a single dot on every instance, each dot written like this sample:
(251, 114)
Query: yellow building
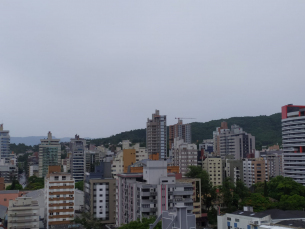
(213, 165)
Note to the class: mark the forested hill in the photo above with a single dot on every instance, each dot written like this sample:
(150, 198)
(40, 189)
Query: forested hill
(266, 129)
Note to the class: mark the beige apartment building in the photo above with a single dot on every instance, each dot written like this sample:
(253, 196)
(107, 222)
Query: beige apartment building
(49, 154)
(23, 213)
(255, 170)
(59, 198)
(213, 165)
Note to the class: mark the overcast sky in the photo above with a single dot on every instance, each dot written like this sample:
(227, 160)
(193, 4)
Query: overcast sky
(97, 68)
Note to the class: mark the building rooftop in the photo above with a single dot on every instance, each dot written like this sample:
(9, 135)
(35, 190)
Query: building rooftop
(251, 214)
(292, 223)
(9, 191)
(280, 214)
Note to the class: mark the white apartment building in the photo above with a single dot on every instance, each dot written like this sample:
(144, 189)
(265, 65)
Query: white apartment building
(23, 213)
(33, 170)
(149, 193)
(59, 198)
(183, 155)
(213, 165)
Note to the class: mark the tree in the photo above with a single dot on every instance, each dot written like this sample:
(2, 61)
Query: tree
(258, 202)
(265, 189)
(35, 183)
(79, 185)
(141, 224)
(15, 185)
(89, 221)
(294, 202)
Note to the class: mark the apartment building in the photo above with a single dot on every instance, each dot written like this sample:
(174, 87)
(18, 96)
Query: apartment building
(255, 170)
(92, 159)
(207, 146)
(49, 154)
(293, 132)
(100, 193)
(8, 171)
(5, 138)
(156, 135)
(233, 169)
(126, 157)
(236, 142)
(59, 198)
(33, 170)
(180, 130)
(23, 213)
(275, 160)
(216, 139)
(77, 162)
(213, 165)
(183, 155)
(149, 193)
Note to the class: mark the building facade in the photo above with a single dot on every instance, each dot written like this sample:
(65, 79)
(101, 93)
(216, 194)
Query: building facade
(77, 161)
(156, 135)
(183, 155)
(100, 193)
(23, 213)
(213, 165)
(293, 133)
(49, 154)
(275, 160)
(255, 170)
(59, 198)
(5, 138)
(233, 169)
(180, 130)
(149, 193)
(236, 142)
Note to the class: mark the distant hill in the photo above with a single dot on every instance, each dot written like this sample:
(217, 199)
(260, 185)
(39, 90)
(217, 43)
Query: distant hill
(266, 129)
(33, 140)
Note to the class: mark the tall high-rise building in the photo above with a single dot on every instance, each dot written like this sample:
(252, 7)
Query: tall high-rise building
(236, 142)
(59, 193)
(77, 163)
(156, 135)
(216, 140)
(255, 170)
(293, 134)
(5, 152)
(49, 154)
(180, 130)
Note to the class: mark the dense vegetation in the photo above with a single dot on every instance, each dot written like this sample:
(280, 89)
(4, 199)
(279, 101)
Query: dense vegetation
(79, 185)
(280, 192)
(35, 183)
(15, 185)
(22, 148)
(141, 224)
(266, 129)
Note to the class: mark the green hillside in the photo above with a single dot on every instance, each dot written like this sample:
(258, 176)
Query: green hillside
(266, 129)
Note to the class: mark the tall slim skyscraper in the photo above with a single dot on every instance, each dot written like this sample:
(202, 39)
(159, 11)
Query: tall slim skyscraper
(156, 135)
(183, 131)
(5, 152)
(49, 154)
(77, 163)
(293, 133)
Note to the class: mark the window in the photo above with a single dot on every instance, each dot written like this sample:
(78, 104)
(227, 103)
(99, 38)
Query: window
(5, 199)
(229, 219)
(101, 201)
(236, 220)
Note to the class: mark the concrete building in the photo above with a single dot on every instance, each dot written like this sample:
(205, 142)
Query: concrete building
(77, 162)
(180, 130)
(233, 169)
(100, 193)
(33, 170)
(293, 132)
(150, 193)
(49, 154)
(156, 135)
(255, 170)
(236, 142)
(253, 220)
(7, 195)
(92, 159)
(5, 152)
(178, 219)
(183, 155)
(2, 184)
(213, 165)
(126, 157)
(207, 145)
(216, 139)
(59, 198)
(23, 213)
(275, 160)
(8, 171)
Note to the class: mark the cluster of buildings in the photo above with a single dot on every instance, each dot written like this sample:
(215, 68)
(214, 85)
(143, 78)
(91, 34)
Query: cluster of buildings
(127, 182)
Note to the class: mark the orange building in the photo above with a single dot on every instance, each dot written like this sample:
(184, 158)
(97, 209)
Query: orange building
(129, 158)
(7, 195)
(2, 184)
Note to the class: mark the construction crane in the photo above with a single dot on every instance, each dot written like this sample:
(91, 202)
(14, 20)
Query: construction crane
(184, 118)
